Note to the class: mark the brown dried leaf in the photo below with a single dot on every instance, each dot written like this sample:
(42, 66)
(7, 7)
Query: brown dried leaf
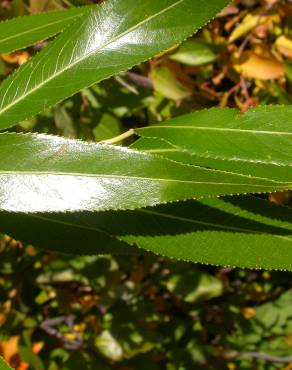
(5, 309)
(252, 65)
(10, 352)
(282, 198)
(16, 58)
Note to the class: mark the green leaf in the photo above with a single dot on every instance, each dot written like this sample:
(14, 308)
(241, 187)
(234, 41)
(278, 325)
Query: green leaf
(21, 32)
(4, 365)
(163, 148)
(64, 122)
(243, 231)
(195, 53)
(40, 173)
(111, 39)
(108, 346)
(107, 128)
(166, 83)
(55, 232)
(263, 135)
(193, 285)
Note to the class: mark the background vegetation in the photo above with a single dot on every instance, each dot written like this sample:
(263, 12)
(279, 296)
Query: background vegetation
(125, 313)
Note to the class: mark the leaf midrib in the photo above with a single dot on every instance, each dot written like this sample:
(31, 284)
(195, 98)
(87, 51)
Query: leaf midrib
(9, 106)
(184, 219)
(37, 28)
(180, 150)
(261, 132)
(72, 174)
(66, 223)
(168, 216)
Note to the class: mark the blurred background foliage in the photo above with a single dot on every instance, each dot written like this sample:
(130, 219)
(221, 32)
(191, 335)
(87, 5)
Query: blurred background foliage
(133, 313)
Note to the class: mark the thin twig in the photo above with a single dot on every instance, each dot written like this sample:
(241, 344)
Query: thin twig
(140, 81)
(265, 357)
(125, 84)
(119, 138)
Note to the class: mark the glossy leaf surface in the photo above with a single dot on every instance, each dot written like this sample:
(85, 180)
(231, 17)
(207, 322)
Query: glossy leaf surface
(242, 231)
(263, 135)
(40, 173)
(21, 32)
(167, 150)
(111, 39)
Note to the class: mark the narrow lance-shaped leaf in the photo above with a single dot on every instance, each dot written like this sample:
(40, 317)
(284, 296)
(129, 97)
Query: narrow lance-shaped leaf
(243, 231)
(112, 38)
(22, 32)
(40, 173)
(54, 232)
(165, 149)
(263, 135)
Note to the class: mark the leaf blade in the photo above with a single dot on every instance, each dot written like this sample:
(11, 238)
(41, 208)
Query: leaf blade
(262, 135)
(4, 365)
(21, 32)
(167, 150)
(111, 39)
(242, 232)
(40, 173)
(62, 235)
